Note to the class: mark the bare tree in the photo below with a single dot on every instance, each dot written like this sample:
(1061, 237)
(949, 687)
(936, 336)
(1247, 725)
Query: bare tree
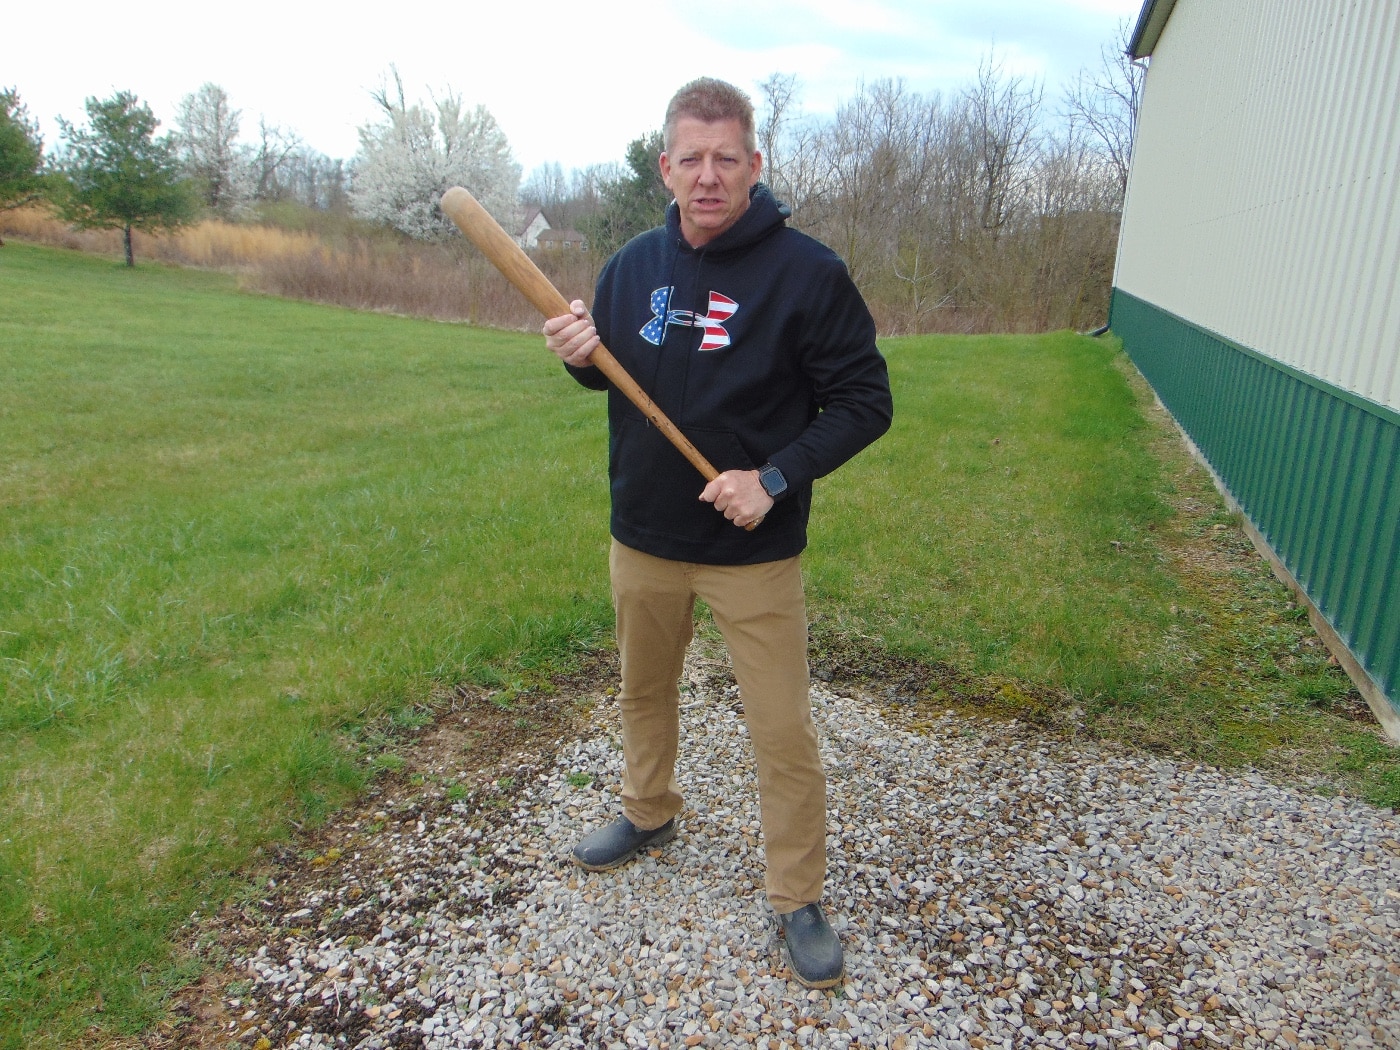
(866, 153)
(574, 199)
(271, 159)
(1001, 115)
(315, 180)
(1105, 103)
(549, 189)
(922, 197)
(781, 94)
(585, 186)
(1064, 257)
(964, 213)
(206, 130)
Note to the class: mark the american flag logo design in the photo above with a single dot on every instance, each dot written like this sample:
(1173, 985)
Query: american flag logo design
(715, 338)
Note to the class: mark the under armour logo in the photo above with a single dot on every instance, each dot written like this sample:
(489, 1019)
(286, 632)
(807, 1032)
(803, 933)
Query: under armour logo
(721, 309)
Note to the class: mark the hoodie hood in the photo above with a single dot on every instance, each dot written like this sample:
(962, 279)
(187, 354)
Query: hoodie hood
(764, 214)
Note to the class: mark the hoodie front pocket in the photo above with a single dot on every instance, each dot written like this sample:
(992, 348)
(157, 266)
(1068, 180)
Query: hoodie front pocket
(657, 488)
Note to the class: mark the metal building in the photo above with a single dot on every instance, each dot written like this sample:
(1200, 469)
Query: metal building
(1256, 287)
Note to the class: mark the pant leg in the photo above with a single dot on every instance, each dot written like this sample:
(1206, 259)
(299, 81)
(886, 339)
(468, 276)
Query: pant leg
(761, 612)
(655, 606)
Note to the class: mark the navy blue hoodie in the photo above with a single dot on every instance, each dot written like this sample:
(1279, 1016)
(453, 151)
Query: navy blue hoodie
(760, 349)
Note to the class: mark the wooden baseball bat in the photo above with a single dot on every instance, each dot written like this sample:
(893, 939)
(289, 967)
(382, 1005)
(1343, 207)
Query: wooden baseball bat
(518, 268)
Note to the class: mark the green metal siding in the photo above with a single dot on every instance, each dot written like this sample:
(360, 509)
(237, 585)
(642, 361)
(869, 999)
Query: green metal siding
(1315, 468)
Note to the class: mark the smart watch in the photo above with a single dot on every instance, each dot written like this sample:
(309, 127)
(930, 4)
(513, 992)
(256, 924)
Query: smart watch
(772, 480)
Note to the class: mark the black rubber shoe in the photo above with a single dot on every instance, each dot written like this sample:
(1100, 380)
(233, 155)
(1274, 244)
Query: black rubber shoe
(619, 842)
(813, 949)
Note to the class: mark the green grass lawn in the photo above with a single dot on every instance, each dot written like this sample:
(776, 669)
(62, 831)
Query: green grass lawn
(1034, 531)
(230, 528)
(234, 531)
(1006, 515)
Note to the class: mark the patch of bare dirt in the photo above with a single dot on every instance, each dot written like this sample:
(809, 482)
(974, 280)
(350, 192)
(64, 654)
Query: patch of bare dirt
(477, 750)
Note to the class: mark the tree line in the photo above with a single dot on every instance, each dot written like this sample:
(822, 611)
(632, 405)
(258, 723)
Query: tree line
(990, 209)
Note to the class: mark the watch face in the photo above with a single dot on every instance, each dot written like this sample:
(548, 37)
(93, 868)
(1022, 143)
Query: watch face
(772, 480)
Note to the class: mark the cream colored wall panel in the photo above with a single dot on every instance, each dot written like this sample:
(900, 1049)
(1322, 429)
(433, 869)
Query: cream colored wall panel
(1263, 198)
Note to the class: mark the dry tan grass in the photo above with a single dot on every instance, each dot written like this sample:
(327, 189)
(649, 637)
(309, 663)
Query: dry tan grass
(451, 282)
(211, 244)
(219, 245)
(448, 282)
(36, 225)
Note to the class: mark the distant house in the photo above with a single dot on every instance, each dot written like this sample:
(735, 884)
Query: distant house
(539, 232)
(562, 240)
(1257, 288)
(535, 224)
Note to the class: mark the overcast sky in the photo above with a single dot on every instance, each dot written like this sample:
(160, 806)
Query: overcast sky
(571, 83)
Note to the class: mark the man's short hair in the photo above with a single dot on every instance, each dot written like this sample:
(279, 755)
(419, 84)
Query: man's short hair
(711, 100)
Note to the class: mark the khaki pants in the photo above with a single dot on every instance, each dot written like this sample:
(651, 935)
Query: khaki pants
(761, 613)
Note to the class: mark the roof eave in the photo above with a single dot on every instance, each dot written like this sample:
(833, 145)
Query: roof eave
(1151, 21)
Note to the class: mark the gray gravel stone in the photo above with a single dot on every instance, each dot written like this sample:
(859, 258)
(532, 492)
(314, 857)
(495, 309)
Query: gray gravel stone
(991, 890)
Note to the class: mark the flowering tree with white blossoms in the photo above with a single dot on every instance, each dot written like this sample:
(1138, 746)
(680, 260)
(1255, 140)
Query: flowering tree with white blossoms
(415, 153)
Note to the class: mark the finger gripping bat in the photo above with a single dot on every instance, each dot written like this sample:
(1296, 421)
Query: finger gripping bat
(515, 266)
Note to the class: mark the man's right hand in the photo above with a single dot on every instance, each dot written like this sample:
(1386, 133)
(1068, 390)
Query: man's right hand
(571, 337)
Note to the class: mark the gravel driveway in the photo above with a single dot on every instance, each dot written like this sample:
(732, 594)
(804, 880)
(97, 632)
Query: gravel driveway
(992, 889)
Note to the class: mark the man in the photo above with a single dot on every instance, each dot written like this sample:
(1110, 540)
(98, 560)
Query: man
(752, 339)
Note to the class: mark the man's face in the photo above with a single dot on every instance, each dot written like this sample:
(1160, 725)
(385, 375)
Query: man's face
(709, 172)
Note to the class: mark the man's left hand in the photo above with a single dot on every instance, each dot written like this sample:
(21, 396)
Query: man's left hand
(739, 496)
